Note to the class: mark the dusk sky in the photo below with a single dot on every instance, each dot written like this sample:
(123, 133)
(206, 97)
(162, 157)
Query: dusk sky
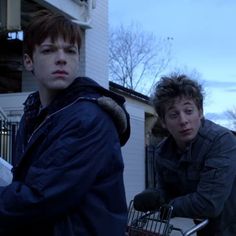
(204, 39)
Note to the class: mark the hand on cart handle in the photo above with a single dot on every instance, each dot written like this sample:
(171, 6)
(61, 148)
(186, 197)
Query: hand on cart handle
(149, 200)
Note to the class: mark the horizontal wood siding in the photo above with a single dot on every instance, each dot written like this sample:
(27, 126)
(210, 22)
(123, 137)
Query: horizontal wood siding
(96, 45)
(134, 154)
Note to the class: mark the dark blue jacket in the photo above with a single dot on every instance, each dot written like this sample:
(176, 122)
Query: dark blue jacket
(201, 181)
(68, 168)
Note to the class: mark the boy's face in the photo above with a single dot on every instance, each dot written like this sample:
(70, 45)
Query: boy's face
(54, 65)
(183, 120)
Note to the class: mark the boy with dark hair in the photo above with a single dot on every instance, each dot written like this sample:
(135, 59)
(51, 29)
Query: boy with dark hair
(196, 163)
(68, 166)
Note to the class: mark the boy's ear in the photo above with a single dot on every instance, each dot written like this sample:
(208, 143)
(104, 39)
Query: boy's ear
(28, 63)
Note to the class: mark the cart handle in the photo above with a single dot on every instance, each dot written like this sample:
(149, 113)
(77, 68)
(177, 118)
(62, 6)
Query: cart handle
(196, 228)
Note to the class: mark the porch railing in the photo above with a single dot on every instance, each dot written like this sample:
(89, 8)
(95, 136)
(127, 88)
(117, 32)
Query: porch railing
(8, 131)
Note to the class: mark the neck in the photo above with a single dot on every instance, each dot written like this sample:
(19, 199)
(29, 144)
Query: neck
(181, 146)
(46, 97)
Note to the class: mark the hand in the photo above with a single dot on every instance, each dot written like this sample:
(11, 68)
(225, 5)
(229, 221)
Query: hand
(165, 212)
(149, 200)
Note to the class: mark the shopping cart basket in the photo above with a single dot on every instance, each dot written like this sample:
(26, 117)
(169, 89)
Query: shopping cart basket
(156, 223)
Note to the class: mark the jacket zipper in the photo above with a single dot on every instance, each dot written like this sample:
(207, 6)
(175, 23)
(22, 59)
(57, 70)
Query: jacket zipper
(49, 116)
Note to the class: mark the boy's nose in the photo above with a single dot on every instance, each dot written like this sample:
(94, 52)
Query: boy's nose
(61, 57)
(183, 118)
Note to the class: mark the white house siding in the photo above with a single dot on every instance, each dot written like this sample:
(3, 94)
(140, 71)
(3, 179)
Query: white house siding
(96, 44)
(12, 105)
(134, 154)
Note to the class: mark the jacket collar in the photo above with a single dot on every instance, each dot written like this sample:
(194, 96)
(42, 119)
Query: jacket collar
(81, 87)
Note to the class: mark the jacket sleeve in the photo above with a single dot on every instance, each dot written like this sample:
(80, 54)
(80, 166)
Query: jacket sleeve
(217, 179)
(82, 152)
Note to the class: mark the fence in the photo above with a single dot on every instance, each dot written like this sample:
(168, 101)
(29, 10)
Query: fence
(7, 138)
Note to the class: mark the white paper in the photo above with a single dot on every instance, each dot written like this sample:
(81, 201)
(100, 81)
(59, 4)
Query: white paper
(5, 172)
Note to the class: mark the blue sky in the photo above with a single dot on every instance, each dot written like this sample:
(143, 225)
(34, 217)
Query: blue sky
(204, 39)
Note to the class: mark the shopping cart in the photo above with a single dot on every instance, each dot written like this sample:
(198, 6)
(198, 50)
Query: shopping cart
(156, 223)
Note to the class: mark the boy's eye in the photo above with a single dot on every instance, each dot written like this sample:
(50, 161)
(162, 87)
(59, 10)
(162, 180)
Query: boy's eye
(172, 115)
(189, 111)
(71, 50)
(47, 50)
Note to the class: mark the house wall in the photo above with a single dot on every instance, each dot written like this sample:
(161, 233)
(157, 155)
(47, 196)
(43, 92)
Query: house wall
(134, 151)
(12, 105)
(96, 45)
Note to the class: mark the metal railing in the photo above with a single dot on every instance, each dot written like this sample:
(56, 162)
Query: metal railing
(8, 131)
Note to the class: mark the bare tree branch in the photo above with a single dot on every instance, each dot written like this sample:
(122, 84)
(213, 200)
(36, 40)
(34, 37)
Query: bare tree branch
(136, 58)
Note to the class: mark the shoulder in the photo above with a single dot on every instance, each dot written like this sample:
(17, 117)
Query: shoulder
(213, 131)
(215, 140)
(84, 115)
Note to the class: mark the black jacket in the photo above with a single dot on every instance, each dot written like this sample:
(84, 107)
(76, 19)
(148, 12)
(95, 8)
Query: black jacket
(68, 168)
(201, 182)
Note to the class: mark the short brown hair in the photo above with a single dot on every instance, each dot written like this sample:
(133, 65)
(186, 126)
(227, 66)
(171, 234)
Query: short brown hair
(176, 85)
(46, 23)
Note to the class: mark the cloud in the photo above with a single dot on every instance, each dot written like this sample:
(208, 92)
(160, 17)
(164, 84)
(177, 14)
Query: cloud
(217, 116)
(231, 90)
(223, 119)
(221, 84)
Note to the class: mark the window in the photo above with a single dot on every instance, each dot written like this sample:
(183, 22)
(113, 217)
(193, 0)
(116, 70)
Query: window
(10, 64)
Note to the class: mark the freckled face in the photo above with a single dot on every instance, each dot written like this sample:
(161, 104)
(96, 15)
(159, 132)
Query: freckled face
(183, 120)
(55, 64)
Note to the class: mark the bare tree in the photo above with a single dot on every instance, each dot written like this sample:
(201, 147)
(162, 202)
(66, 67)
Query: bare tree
(136, 57)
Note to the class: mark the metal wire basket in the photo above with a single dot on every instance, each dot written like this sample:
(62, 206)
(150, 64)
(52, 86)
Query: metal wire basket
(149, 223)
(156, 223)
